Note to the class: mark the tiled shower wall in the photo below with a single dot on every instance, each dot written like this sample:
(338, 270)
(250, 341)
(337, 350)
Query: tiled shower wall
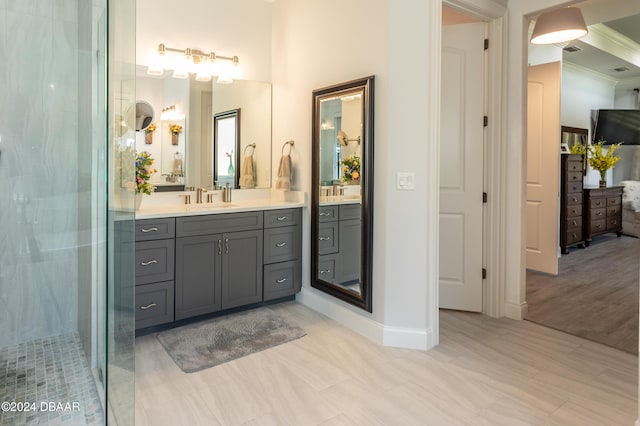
(40, 234)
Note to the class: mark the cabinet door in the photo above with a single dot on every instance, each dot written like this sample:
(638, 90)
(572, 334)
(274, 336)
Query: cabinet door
(198, 275)
(241, 268)
(350, 251)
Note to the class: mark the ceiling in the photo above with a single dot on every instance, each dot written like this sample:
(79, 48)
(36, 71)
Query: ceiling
(623, 32)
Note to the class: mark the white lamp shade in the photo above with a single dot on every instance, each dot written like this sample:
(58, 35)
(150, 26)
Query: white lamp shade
(558, 26)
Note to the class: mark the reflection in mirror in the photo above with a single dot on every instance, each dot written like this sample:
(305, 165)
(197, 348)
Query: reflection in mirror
(144, 115)
(173, 138)
(571, 136)
(226, 137)
(342, 191)
(196, 104)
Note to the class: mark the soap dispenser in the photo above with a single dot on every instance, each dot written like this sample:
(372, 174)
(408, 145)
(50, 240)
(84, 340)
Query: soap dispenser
(226, 193)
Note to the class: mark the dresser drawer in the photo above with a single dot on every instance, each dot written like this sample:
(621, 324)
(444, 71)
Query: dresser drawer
(614, 201)
(328, 238)
(190, 226)
(154, 261)
(574, 235)
(281, 244)
(613, 223)
(596, 203)
(282, 279)
(155, 229)
(614, 211)
(598, 214)
(573, 187)
(573, 211)
(575, 177)
(574, 198)
(154, 304)
(575, 166)
(598, 225)
(328, 213)
(277, 218)
(573, 223)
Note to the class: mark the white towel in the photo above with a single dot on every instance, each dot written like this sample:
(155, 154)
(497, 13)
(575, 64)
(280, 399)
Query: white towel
(283, 182)
(247, 179)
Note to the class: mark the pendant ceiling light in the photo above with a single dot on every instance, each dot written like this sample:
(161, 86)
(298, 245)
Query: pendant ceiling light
(558, 26)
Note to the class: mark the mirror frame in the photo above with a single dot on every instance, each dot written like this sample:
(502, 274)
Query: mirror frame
(363, 300)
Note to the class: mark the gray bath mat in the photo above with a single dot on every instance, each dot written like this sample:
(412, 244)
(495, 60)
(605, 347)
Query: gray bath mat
(202, 345)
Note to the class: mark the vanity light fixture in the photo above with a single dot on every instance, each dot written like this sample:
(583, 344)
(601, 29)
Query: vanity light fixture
(558, 26)
(194, 61)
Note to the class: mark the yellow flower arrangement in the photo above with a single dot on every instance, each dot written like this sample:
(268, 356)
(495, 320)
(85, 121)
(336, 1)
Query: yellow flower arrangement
(578, 148)
(601, 160)
(150, 129)
(175, 129)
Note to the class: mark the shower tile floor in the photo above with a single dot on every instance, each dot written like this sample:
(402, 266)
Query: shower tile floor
(45, 372)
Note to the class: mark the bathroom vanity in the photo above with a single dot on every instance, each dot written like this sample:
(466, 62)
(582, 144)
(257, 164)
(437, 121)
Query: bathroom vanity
(199, 262)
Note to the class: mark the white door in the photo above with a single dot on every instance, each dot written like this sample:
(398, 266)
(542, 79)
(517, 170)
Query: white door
(543, 165)
(461, 167)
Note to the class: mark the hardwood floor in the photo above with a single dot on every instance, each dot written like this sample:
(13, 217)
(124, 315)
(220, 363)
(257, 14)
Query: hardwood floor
(485, 371)
(595, 294)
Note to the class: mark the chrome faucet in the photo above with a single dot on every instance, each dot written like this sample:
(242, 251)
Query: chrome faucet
(199, 193)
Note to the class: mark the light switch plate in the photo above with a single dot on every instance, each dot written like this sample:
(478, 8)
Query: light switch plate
(406, 181)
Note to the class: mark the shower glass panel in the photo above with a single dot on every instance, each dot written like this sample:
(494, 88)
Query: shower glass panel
(66, 339)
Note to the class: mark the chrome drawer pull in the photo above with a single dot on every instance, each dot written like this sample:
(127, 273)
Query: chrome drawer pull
(226, 245)
(281, 218)
(219, 246)
(145, 230)
(326, 271)
(281, 280)
(281, 244)
(324, 238)
(325, 214)
(150, 305)
(151, 262)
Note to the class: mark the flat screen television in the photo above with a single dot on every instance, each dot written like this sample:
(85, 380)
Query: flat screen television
(617, 125)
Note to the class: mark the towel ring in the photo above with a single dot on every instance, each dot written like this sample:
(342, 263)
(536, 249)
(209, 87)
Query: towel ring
(251, 145)
(290, 143)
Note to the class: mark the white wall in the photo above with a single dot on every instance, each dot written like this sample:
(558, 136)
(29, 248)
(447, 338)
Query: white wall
(385, 44)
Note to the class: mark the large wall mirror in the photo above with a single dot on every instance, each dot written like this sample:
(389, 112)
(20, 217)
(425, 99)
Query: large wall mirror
(219, 125)
(342, 191)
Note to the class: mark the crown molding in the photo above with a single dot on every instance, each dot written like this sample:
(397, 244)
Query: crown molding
(584, 70)
(608, 40)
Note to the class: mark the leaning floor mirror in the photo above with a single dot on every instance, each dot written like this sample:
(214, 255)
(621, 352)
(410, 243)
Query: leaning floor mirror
(342, 191)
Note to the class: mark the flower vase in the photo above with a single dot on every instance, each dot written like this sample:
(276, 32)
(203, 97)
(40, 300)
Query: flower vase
(174, 138)
(231, 171)
(603, 179)
(138, 200)
(148, 138)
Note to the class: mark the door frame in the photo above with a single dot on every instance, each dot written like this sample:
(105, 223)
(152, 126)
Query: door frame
(494, 254)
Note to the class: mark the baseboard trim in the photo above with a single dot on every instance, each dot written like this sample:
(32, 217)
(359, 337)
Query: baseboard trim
(408, 338)
(516, 311)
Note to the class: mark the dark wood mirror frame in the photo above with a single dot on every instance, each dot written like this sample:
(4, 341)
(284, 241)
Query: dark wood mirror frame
(362, 300)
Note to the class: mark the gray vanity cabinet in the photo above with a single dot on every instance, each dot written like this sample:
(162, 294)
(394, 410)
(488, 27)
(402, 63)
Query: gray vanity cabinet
(198, 275)
(282, 253)
(241, 268)
(215, 269)
(154, 270)
(339, 248)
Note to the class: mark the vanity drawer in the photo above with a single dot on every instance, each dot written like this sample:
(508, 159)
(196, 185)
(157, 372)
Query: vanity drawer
(282, 279)
(328, 238)
(154, 304)
(328, 213)
(350, 211)
(154, 261)
(277, 218)
(281, 244)
(190, 226)
(155, 229)
(327, 267)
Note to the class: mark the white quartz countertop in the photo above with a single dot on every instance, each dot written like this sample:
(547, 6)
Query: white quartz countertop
(176, 210)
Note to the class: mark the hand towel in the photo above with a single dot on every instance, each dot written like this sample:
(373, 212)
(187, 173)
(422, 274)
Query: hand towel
(247, 179)
(283, 182)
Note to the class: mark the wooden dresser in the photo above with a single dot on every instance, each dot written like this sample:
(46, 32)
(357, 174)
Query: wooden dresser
(603, 211)
(571, 202)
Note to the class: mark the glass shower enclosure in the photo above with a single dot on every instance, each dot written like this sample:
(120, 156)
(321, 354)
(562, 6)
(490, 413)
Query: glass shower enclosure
(66, 211)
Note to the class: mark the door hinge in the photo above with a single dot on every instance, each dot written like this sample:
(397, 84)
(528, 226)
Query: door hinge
(484, 197)
(486, 43)
(484, 273)
(485, 121)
